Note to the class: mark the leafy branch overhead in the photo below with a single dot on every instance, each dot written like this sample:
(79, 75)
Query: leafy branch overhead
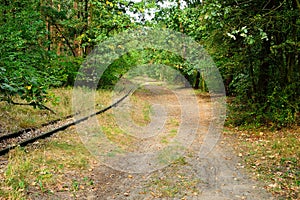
(43, 43)
(255, 45)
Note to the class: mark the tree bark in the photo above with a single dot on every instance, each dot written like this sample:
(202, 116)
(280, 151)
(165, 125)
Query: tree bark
(197, 82)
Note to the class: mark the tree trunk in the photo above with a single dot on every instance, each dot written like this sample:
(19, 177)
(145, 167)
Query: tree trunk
(197, 82)
(264, 72)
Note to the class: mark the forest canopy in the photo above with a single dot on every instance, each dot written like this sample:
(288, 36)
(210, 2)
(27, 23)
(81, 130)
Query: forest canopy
(255, 45)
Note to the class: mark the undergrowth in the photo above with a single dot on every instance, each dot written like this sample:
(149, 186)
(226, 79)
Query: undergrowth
(15, 117)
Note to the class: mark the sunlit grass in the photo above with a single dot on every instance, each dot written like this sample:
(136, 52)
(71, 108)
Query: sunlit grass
(56, 165)
(53, 165)
(14, 117)
(48, 167)
(141, 109)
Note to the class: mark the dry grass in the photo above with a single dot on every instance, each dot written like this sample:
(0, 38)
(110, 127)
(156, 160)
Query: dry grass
(272, 157)
(55, 167)
(140, 113)
(175, 181)
(58, 165)
(50, 167)
(14, 118)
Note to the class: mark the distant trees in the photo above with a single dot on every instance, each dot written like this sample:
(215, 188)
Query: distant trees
(255, 44)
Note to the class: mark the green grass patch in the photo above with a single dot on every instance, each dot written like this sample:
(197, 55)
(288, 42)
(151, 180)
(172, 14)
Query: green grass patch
(53, 165)
(14, 117)
(172, 183)
(141, 110)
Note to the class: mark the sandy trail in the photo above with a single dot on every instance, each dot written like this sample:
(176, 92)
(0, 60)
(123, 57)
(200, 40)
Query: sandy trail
(217, 175)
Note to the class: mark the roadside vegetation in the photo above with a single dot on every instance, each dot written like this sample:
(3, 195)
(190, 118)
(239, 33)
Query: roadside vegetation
(47, 168)
(27, 117)
(271, 157)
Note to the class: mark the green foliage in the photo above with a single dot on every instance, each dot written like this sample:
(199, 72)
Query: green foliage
(158, 64)
(256, 51)
(281, 108)
(24, 60)
(116, 70)
(255, 46)
(43, 43)
(65, 69)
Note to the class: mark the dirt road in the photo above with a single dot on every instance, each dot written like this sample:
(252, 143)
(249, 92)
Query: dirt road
(216, 175)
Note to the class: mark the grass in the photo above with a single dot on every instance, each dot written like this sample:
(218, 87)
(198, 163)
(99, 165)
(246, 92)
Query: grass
(167, 138)
(48, 168)
(14, 118)
(118, 136)
(141, 111)
(55, 165)
(58, 165)
(273, 157)
(26, 116)
(172, 185)
(172, 125)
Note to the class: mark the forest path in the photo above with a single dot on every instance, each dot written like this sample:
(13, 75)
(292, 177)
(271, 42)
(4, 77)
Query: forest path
(218, 175)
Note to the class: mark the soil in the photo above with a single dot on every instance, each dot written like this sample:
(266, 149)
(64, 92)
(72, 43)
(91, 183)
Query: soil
(217, 175)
